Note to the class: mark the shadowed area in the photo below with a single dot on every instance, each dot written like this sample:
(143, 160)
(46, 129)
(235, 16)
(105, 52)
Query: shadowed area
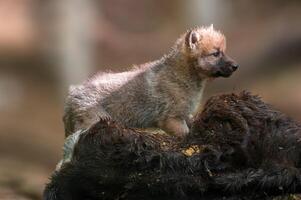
(239, 148)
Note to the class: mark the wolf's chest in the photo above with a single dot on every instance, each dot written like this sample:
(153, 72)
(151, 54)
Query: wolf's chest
(195, 101)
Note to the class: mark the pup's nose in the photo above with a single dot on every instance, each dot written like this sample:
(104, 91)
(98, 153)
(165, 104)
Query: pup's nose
(235, 67)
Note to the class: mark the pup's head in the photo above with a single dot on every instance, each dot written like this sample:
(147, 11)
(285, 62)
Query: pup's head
(205, 49)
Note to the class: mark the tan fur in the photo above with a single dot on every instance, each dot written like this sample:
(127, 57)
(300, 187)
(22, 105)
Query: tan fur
(209, 40)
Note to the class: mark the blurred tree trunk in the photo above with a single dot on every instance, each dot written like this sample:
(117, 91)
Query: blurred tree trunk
(206, 12)
(73, 49)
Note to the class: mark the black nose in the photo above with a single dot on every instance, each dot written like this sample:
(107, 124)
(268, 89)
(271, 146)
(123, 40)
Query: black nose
(234, 67)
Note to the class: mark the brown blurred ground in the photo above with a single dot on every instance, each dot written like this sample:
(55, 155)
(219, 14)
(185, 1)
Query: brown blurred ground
(265, 37)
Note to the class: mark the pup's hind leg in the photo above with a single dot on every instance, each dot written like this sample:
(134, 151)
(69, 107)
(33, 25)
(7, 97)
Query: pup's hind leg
(88, 117)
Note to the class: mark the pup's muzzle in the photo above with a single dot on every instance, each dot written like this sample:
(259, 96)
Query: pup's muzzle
(225, 67)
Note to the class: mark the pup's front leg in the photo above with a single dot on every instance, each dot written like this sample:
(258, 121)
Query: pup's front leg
(175, 126)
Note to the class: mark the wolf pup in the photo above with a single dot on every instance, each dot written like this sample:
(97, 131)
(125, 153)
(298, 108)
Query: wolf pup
(164, 93)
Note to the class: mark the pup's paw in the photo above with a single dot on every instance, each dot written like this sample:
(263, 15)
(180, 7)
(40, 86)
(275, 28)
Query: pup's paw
(176, 127)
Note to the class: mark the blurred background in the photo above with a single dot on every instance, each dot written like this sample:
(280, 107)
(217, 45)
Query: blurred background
(46, 45)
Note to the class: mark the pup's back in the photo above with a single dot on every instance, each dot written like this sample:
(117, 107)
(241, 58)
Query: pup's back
(106, 95)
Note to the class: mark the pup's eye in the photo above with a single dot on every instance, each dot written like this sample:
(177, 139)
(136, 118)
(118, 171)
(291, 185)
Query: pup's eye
(216, 54)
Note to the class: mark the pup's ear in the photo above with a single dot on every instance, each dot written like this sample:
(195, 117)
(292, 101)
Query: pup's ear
(191, 39)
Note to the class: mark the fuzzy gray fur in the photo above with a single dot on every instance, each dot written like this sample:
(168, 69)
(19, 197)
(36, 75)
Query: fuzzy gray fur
(139, 98)
(164, 93)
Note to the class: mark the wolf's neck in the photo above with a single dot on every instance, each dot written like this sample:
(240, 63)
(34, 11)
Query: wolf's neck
(179, 69)
(173, 72)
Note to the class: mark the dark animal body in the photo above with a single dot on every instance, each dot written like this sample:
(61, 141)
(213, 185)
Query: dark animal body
(238, 148)
(165, 93)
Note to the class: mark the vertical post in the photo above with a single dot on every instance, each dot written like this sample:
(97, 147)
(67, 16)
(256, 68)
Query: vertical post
(206, 12)
(74, 46)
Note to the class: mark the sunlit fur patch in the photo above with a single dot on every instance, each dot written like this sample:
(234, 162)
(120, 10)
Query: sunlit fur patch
(68, 148)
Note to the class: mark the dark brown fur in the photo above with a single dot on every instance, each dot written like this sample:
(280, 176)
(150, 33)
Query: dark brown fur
(243, 149)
